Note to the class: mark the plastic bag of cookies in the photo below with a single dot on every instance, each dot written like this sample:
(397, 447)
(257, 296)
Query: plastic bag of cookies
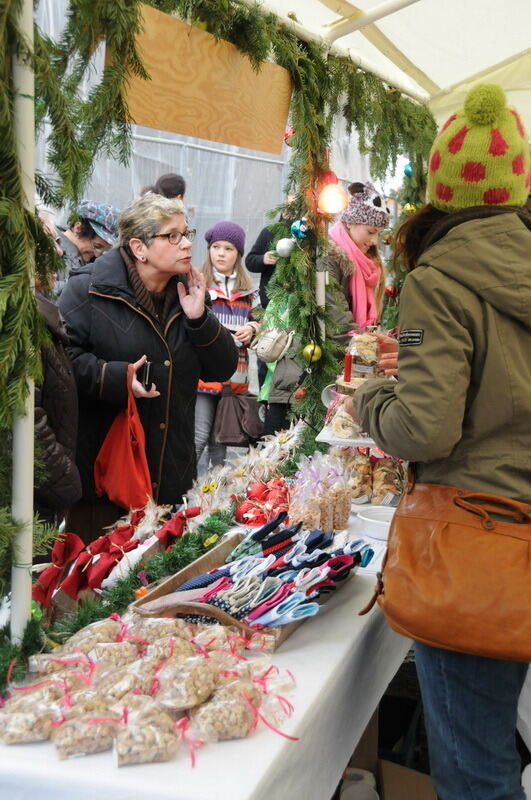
(145, 743)
(184, 684)
(104, 630)
(222, 719)
(84, 735)
(22, 727)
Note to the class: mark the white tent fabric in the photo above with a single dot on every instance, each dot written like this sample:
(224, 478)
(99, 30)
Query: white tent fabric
(433, 49)
(223, 181)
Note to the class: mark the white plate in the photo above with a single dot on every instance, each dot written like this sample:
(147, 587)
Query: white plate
(327, 436)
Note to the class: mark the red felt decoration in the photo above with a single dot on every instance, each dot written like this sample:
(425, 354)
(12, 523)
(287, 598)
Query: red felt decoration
(64, 551)
(175, 526)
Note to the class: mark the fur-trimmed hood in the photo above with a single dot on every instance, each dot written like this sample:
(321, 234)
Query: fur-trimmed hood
(335, 254)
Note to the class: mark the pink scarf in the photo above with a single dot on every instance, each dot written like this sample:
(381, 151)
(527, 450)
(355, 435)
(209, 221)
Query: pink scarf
(363, 280)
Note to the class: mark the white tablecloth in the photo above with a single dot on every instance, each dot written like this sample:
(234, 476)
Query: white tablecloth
(342, 664)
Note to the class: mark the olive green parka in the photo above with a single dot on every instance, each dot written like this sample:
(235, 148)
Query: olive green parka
(461, 408)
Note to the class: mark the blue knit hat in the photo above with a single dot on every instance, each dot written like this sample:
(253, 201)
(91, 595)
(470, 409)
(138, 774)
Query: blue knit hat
(102, 218)
(227, 232)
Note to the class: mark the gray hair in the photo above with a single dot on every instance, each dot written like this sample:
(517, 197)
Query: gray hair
(145, 215)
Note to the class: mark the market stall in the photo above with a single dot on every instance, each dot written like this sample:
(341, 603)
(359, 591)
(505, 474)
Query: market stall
(342, 664)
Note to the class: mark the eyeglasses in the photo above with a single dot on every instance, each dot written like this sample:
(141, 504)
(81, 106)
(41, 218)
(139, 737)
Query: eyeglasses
(175, 237)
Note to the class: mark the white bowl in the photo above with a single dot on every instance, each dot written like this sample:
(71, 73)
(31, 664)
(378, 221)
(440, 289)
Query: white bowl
(376, 520)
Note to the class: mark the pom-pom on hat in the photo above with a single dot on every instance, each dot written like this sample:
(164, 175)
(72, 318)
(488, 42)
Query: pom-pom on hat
(227, 232)
(366, 207)
(481, 155)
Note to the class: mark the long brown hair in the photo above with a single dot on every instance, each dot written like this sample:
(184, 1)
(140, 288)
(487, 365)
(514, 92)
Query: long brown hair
(410, 240)
(427, 225)
(243, 281)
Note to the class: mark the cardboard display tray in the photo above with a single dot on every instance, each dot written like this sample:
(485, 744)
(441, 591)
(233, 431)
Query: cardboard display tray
(214, 558)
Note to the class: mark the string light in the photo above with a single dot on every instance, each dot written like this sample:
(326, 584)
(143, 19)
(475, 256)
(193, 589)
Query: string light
(332, 197)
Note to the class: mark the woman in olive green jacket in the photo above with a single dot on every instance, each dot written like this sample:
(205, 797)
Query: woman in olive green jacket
(461, 409)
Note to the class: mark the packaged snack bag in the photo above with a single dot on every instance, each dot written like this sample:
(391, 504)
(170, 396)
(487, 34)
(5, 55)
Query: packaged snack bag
(142, 743)
(84, 735)
(185, 684)
(21, 727)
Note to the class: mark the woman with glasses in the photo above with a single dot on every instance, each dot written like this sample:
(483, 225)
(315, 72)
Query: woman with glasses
(142, 302)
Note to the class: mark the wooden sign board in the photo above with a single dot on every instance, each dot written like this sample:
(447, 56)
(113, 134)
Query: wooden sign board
(205, 87)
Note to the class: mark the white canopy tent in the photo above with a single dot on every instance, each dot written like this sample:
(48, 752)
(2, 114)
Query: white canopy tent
(434, 50)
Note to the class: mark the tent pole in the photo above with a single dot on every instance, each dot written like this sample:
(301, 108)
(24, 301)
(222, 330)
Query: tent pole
(309, 36)
(23, 442)
(356, 21)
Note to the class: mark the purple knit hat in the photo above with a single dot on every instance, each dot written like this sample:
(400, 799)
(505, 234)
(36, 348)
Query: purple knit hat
(227, 232)
(365, 207)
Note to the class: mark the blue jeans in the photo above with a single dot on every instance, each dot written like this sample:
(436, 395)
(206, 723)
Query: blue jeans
(208, 450)
(470, 706)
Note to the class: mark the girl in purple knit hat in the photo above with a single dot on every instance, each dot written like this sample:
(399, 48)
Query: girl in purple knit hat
(233, 298)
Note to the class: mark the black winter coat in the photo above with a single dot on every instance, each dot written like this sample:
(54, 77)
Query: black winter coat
(56, 422)
(108, 329)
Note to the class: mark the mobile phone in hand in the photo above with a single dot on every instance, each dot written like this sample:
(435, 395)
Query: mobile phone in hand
(144, 375)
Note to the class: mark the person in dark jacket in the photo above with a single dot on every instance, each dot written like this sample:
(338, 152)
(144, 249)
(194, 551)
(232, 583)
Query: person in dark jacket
(461, 407)
(262, 259)
(91, 232)
(143, 301)
(56, 413)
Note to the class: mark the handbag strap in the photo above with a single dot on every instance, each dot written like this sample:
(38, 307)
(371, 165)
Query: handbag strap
(131, 399)
(492, 504)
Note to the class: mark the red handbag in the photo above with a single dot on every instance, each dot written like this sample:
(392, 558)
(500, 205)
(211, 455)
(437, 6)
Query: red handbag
(121, 470)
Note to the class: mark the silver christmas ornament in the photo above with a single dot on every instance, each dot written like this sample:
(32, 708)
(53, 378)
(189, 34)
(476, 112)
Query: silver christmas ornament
(285, 247)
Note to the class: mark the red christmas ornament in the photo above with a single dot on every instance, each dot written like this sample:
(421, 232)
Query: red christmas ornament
(300, 393)
(257, 491)
(287, 136)
(391, 291)
(276, 499)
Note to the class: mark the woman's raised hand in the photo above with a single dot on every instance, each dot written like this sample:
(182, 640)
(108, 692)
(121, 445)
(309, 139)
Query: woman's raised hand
(193, 299)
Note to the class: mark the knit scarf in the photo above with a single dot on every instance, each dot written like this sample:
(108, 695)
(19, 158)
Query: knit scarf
(363, 279)
(157, 304)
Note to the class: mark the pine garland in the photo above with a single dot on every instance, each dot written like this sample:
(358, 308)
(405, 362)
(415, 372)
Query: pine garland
(117, 599)
(14, 658)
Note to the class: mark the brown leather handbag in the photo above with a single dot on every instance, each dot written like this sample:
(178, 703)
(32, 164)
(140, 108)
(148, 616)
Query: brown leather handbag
(457, 572)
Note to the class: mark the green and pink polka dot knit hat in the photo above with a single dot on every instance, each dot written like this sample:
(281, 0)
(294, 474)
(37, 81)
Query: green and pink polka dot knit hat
(481, 155)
